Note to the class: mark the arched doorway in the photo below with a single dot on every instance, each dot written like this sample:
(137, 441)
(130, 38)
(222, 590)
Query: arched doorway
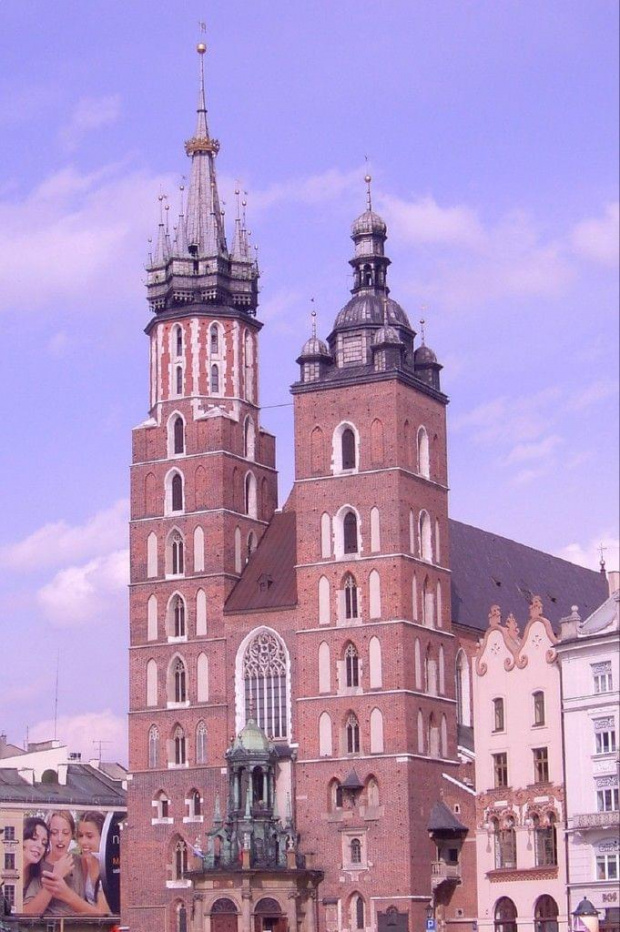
(268, 916)
(505, 915)
(224, 916)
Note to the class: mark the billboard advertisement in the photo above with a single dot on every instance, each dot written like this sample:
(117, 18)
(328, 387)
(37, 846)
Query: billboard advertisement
(62, 863)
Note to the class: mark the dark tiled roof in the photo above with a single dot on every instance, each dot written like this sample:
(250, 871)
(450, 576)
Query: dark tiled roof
(486, 570)
(85, 786)
(269, 580)
(491, 570)
(443, 819)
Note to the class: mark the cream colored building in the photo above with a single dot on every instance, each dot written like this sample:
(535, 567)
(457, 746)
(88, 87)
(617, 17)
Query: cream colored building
(519, 777)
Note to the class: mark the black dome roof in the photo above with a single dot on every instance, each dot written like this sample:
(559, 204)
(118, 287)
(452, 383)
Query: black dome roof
(366, 307)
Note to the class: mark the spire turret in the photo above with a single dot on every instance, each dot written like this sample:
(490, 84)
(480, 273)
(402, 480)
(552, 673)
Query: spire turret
(196, 267)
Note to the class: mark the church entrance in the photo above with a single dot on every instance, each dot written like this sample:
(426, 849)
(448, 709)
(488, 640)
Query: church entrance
(224, 916)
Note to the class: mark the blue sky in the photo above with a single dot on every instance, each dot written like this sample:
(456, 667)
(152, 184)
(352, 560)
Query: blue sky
(492, 137)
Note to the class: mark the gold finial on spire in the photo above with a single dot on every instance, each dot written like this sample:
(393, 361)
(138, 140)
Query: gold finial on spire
(201, 48)
(602, 564)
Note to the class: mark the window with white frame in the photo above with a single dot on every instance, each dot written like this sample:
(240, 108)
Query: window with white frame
(602, 677)
(161, 807)
(607, 866)
(607, 799)
(604, 735)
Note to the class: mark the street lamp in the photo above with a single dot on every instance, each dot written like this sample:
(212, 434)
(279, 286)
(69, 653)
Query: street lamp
(587, 913)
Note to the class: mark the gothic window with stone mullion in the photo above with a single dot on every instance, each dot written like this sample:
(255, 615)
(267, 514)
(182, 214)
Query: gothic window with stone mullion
(264, 677)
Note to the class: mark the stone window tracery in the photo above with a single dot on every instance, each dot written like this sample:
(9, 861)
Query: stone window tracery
(264, 675)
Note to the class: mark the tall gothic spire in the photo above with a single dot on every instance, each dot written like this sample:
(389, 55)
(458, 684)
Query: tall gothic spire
(204, 222)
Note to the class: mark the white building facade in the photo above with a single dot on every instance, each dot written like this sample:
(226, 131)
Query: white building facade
(590, 663)
(521, 866)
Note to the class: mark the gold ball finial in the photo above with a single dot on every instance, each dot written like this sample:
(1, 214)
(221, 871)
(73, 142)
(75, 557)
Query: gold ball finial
(367, 178)
(201, 48)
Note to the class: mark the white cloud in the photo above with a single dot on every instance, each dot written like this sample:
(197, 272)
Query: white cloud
(600, 390)
(540, 450)
(87, 594)
(424, 221)
(78, 240)
(511, 421)
(59, 542)
(90, 114)
(598, 238)
(83, 733)
(588, 554)
(315, 189)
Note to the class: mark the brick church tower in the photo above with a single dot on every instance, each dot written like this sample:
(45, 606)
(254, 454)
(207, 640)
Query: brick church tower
(375, 698)
(203, 489)
(325, 626)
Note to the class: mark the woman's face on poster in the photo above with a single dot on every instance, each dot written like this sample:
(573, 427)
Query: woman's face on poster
(61, 836)
(35, 847)
(88, 837)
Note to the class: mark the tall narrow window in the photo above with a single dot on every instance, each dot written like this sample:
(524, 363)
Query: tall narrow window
(541, 765)
(349, 531)
(178, 341)
(201, 743)
(178, 380)
(505, 845)
(546, 844)
(153, 748)
(178, 741)
(179, 435)
(498, 715)
(176, 486)
(178, 617)
(359, 913)
(176, 554)
(500, 770)
(180, 860)
(214, 339)
(352, 734)
(546, 914)
(539, 707)
(350, 597)
(348, 448)
(424, 465)
(179, 681)
(356, 851)
(194, 804)
(215, 380)
(351, 661)
(264, 672)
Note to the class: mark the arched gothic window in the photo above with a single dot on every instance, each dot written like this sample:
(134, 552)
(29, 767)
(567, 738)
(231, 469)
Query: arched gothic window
(352, 734)
(351, 601)
(264, 676)
(356, 851)
(178, 341)
(359, 913)
(349, 532)
(176, 554)
(178, 380)
(177, 617)
(351, 662)
(179, 435)
(179, 681)
(176, 489)
(153, 748)
(424, 466)
(347, 441)
(195, 804)
(214, 339)
(201, 743)
(180, 860)
(178, 743)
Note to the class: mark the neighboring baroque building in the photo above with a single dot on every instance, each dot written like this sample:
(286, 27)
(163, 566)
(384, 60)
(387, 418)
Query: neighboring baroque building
(341, 628)
(519, 776)
(589, 654)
